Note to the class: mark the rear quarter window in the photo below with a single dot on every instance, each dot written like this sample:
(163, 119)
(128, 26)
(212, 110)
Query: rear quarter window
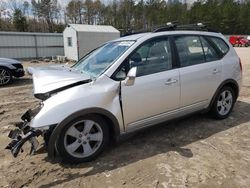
(220, 44)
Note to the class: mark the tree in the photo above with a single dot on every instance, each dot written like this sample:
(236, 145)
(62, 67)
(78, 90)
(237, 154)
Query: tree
(94, 11)
(126, 15)
(19, 21)
(140, 22)
(98, 9)
(244, 19)
(5, 18)
(88, 11)
(74, 11)
(2, 8)
(110, 14)
(26, 8)
(46, 9)
(226, 16)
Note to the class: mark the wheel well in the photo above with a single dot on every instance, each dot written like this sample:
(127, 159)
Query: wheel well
(6, 69)
(234, 87)
(230, 83)
(111, 125)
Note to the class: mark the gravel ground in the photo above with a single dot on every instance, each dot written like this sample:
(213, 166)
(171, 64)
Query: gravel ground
(195, 152)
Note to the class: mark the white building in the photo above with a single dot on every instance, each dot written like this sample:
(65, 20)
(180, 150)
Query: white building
(80, 39)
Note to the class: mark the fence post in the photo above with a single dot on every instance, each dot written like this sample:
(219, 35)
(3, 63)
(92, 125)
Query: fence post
(36, 46)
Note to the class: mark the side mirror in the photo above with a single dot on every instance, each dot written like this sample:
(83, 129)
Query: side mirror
(130, 79)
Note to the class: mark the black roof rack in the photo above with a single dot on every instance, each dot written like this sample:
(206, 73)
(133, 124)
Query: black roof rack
(172, 26)
(191, 27)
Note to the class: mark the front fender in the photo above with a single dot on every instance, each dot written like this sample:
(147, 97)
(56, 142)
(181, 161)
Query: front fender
(71, 101)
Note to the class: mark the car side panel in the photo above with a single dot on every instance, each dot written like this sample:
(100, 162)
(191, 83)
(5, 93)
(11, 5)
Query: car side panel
(149, 97)
(199, 83)
(231, 67)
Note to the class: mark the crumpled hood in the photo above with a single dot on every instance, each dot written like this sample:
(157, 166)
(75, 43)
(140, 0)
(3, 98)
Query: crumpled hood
(55, 78)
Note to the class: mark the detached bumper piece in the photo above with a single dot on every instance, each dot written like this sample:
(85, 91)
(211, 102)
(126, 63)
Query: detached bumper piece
(22, 134)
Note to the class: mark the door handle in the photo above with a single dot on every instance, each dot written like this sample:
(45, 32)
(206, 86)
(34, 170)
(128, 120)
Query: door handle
(170, 81)
(215, 71)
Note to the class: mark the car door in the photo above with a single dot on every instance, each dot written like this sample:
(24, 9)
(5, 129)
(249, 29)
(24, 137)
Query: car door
(156, 90)
(200, 71)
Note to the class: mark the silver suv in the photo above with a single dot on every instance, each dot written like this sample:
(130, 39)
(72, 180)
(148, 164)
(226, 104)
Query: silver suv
(126, 85)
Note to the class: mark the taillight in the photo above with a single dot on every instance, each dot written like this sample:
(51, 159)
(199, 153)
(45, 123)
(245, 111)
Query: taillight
(240, 65)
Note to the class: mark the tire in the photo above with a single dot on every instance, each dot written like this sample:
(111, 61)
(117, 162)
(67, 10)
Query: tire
(88, 133)
(222, 108)
(5, 76)
(246, 45)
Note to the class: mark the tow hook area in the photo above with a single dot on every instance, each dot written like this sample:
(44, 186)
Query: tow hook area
(21, 135)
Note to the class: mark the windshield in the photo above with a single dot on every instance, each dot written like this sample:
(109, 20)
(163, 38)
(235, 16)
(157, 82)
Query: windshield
(103, 57)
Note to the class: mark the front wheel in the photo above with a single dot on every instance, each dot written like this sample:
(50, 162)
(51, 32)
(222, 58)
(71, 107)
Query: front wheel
(223, 103)
(5, 76)
(83, 139)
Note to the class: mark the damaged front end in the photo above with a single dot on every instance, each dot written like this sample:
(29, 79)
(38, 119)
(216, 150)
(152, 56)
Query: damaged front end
(24, 133)
(47, 82)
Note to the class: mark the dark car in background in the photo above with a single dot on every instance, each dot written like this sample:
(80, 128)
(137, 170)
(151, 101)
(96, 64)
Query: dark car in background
(10, 68)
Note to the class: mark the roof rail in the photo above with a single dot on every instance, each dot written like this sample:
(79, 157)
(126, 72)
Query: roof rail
(133, 33)
(192, 27)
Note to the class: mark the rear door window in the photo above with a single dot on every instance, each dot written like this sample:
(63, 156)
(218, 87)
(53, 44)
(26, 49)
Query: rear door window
(190, 50)
(209, 52)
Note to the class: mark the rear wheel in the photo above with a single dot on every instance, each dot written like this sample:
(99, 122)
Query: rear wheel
(223, 103)
(5, 76)
(83, 139)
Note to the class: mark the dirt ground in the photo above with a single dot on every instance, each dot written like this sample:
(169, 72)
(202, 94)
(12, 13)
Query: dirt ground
(194, 152)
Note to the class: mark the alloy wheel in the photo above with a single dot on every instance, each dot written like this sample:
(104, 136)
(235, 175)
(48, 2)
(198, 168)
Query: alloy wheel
(5, 76)
(83, 138)
(225, 102)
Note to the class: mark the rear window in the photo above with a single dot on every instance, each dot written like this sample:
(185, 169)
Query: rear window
(221, 45)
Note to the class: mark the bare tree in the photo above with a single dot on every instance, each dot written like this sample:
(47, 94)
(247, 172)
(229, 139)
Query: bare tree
(93, 11)
(26, 6)
(88, 10)
(74, 11)
(47, 10)
(2, 8)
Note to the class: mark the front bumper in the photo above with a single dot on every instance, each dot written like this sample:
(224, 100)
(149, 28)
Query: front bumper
(22, 134)
(18, 72)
